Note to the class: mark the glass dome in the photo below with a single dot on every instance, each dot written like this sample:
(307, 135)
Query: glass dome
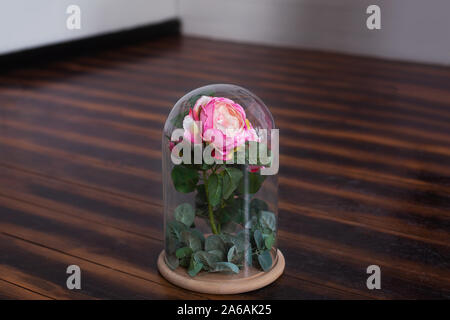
(220, 185)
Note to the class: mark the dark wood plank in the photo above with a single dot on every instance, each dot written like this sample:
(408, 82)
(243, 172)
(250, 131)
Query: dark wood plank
(85, 232)
(11, 291)
(365, 174)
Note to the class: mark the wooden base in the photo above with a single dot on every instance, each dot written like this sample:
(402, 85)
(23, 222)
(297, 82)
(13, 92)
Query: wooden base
(219, 283)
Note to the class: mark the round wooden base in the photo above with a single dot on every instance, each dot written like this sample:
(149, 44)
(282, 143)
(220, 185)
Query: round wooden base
(218, 283)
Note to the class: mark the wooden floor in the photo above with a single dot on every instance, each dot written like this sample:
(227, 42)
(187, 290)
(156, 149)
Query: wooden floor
(364, 178)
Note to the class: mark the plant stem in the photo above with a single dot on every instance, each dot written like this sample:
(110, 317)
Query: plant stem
(211, 214)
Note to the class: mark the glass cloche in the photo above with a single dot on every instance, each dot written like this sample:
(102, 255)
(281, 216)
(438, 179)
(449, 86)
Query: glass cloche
(220, 189)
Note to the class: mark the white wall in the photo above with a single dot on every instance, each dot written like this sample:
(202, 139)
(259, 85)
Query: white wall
(30, 23)
(416, 30)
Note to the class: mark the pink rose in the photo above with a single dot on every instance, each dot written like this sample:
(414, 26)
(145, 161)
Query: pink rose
(223, 124)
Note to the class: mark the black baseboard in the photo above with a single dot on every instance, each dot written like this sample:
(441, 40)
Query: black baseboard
(89, 45)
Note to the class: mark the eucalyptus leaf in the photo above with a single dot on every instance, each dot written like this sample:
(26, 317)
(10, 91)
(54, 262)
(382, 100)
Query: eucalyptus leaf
(185, 214)
(184, 178)
(267, 220)
(207, 259)
(225, 266)
(226, 238)
(214, 189)
(191, 240)
(231, 253)
(175, 228)
(269, 240)
(251, 223)
(239, 242)
(184, 262)
(257, 235)
(235, 256)
(219, 254)
(214, 242)
(199, 235)
(265, 260)
(183, 252)
(194, 267)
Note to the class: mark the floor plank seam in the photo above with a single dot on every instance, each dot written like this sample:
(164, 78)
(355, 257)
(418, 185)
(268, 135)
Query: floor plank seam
(27, 289)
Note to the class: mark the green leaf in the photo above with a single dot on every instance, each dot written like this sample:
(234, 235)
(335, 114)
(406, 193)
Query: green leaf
(193, 99)
(267, 220)
(225, 266)
(177, 121)
(185, 262)
(185, 214)
(172, 261)
(199, 235)
(183, 252)
(184, 178)
(214, 242)
(269, 240)
(231, 213)
(224, 214)
(214, 189)
(219, 254)
(258, 239)
(175, 228)
(239, 242)
(191, 240)
(265, 260)
(231, 253)
(207, 259)
(231, 179)
(226, 238)
(194, 267)
(254, 181)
